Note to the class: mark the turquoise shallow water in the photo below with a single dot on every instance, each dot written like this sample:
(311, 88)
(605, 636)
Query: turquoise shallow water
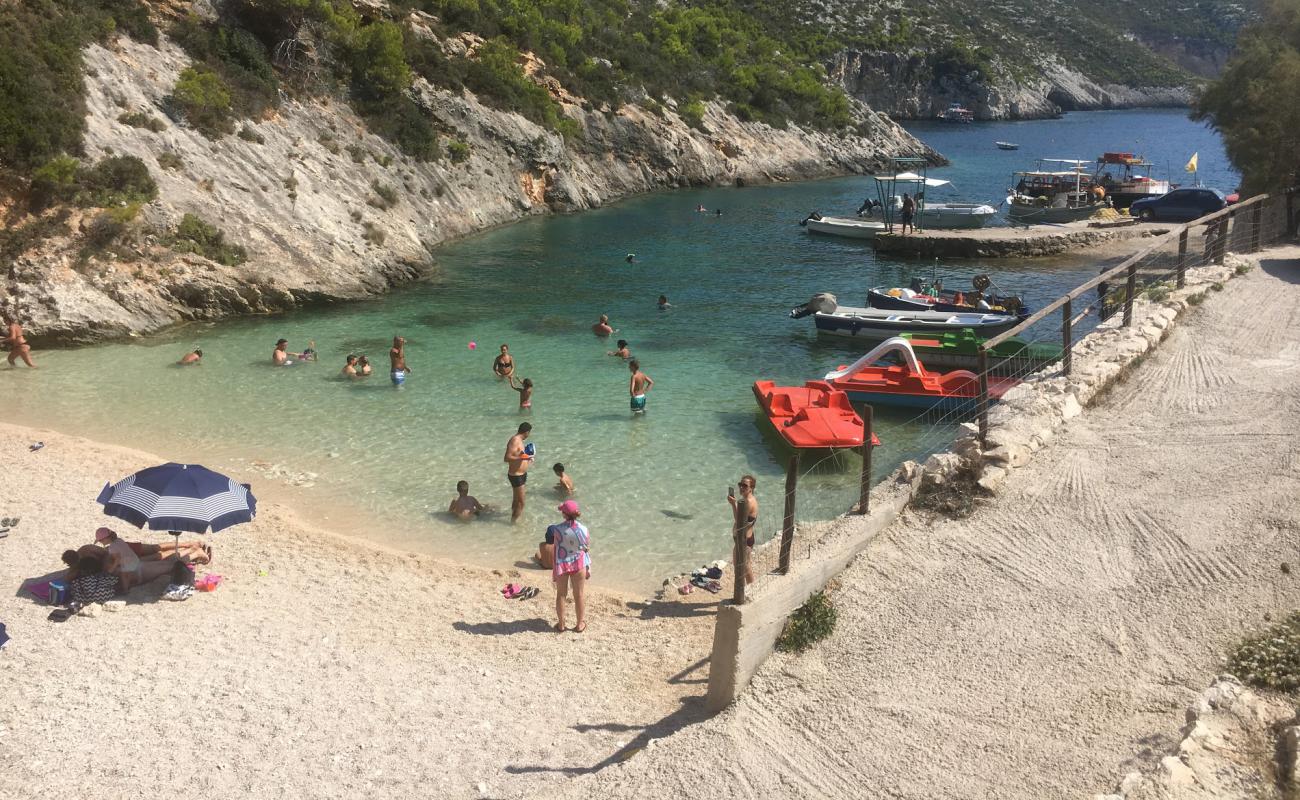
(652, 488)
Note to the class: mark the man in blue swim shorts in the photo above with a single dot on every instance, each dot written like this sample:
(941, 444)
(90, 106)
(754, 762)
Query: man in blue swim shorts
(397, 356)
(639, 385)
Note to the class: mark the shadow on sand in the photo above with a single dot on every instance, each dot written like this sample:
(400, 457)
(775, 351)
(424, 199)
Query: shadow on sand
(1283, 269)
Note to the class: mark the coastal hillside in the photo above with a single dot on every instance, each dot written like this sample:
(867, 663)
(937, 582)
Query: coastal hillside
(174, 160)
(1015, 59)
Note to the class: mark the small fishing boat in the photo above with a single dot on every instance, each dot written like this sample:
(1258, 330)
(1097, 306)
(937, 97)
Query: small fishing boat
(879, 323)
(849, 227)
(1047, 195)
(955, 215)
(1121, 176)
(920, 297)
(814, 415)
(956, 113)
(960, 350)
(909, 384)
(1007, 145)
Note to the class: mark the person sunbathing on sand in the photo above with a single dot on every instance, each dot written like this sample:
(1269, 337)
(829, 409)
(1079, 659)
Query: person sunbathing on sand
(130, 569)
(463, 505)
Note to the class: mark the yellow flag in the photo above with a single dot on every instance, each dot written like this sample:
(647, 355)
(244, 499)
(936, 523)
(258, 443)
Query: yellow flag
(1191, 165)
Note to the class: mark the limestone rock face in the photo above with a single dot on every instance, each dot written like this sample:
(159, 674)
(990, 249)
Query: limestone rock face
(901, 85)
(302, 192)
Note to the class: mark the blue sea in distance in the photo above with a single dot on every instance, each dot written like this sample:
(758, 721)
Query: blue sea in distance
(652, 488)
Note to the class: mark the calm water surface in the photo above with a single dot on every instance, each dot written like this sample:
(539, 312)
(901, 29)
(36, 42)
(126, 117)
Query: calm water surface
(652, 488)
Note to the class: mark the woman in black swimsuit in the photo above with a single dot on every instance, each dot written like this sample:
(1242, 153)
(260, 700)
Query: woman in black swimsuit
(504, 365)
(745, 510)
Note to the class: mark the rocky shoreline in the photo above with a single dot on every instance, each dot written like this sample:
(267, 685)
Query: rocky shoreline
(330, 212)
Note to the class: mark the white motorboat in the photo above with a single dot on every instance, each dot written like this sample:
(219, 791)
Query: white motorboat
(1007, 145)
(956, 215)
(881, 323)
(850, 227)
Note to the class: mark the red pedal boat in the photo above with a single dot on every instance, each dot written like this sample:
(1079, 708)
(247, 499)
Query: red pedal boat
(814, 415)
(909, 384)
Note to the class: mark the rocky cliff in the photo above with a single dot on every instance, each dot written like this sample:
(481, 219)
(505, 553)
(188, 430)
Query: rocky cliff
(328, 211)
(905, 86)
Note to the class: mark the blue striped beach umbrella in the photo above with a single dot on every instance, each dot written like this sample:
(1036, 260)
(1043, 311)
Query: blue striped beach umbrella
(179, 497)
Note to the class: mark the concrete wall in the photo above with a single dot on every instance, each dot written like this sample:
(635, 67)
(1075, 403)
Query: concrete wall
(744, 636)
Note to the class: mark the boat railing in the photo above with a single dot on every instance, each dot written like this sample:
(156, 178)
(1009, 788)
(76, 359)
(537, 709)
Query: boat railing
(1162, 265)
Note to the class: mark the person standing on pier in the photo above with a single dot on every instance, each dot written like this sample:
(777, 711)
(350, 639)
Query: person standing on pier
(909, 211)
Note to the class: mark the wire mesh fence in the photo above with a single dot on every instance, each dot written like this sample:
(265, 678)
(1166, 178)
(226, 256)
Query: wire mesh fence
(1043, 345)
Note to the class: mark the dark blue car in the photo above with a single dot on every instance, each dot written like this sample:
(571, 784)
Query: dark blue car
(1180, 205)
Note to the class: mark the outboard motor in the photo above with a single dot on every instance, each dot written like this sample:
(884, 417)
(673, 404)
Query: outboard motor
(821, 303)
(813, 215)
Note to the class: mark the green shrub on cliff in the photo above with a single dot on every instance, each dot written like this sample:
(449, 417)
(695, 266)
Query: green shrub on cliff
(238, 58)
(113, 181)
(42, 105)
(193, 235)
(204, 100)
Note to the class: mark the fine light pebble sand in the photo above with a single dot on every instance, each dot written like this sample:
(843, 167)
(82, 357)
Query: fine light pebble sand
(322, 667)
(1049, 644)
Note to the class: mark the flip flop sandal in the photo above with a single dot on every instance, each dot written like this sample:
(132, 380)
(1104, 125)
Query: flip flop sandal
(685, 588)
(580, 628)
(528, 593)
(511, 591)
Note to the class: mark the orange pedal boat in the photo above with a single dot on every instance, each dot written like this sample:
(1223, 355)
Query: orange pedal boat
(815, 415)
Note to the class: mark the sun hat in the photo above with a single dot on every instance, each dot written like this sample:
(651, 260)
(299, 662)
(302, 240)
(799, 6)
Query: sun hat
(568, 508)
(103, 533)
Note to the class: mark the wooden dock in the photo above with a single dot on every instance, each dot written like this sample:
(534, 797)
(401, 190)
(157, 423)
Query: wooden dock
(1021, 241)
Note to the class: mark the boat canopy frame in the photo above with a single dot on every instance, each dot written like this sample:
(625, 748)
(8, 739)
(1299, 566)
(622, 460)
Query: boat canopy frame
(912, 172)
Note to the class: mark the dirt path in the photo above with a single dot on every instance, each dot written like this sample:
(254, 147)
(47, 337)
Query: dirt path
(1047, 645)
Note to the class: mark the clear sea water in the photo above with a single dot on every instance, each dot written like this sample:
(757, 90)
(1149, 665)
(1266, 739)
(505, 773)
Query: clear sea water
(652, 488)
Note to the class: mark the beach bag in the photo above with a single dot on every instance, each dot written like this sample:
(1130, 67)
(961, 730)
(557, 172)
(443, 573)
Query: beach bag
(182, 574)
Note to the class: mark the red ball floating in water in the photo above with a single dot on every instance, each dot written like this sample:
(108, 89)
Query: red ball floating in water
(473, 345)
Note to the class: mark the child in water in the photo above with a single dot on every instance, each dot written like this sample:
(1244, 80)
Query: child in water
(622, 351)
(525, 390)
(565, 486)
(463, 505)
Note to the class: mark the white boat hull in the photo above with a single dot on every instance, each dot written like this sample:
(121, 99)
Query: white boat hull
(956, 215)
(875, 323)
(847, 227)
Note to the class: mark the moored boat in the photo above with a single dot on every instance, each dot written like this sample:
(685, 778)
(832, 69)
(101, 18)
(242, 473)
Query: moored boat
(1048, 194)
(1007, 145)
(878, 323)
(956, 113)
(812, 416)
(1127, 178)
(909, 384)
(848, 227)
(919, 297)
(955, 215)
(960, 349)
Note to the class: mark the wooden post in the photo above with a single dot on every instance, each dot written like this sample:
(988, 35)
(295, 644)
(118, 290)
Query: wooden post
(787, 524)
(1256, 220)
(984, 396)
(1129, 291)
(742, 562)
(1228, 229)
(1067, 340)
(1182, 259)
(864, 489)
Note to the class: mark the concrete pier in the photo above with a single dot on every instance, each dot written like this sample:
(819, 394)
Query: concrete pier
(1010, 242)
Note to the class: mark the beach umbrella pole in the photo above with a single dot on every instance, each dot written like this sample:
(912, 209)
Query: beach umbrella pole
(177, 534)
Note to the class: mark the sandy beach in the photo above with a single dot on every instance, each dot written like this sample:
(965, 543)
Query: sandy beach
(322, 667)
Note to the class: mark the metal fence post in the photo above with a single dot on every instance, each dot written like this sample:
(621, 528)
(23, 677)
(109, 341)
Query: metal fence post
(864, 488)
(1182, 258)
(1067, 339)
(1130, 290)
(787, 524)
(984, 396)
(1256, 220)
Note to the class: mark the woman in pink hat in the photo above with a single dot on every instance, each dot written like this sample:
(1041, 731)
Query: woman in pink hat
(572, 564)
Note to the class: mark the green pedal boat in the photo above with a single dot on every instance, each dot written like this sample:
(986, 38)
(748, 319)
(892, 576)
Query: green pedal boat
(960, 349)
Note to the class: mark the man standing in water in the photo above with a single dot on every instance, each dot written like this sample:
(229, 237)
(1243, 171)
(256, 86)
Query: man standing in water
(518, 461)
(17, 343)
(639, 385)
(602, 328)
(397, 357)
